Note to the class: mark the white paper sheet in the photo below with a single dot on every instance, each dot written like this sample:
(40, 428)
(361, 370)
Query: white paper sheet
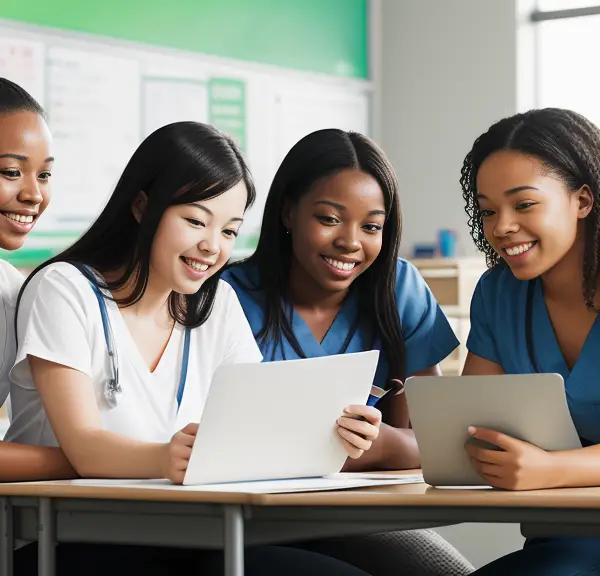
(410, 478)
(334, 482)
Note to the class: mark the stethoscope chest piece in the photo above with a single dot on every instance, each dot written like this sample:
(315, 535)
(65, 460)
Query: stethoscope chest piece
(112, 392)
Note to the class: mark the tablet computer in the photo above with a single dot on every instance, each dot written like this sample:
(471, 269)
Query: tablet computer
(277, 420)
(531, 407)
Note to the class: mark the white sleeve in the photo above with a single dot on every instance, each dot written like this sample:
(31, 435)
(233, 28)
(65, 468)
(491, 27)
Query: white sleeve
(14, 280)
(52, 325)
(241, 345)
(11, 280)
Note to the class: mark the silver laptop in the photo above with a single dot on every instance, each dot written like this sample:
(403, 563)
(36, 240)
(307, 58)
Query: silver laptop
(531, 407)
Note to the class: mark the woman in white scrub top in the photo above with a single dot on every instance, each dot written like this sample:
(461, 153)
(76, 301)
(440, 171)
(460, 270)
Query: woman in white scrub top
(142, 283)
(25, 172)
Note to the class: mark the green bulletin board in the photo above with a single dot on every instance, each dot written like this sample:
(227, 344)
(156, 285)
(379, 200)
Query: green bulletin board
(325, 36)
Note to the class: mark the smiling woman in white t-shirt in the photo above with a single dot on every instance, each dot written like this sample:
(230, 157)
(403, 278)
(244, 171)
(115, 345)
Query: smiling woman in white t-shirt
(119, 336)
(25, 171)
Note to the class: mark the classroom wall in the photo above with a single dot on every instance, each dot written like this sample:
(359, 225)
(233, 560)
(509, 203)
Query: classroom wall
(448, 70)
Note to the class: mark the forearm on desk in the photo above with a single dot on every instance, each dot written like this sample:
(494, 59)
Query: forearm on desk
(73, 413)
(104, 454)
(394, 449)
(22, 463)
(576, 468)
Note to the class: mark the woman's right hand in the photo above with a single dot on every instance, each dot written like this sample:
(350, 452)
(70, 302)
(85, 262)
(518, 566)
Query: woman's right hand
(359, 428)
(177, 453)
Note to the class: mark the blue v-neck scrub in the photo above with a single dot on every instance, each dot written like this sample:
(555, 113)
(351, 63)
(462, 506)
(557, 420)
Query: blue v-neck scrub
(498, 333)
(427, 334)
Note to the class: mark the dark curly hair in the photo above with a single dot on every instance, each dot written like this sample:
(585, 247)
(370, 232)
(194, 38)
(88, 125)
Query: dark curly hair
(568, 146)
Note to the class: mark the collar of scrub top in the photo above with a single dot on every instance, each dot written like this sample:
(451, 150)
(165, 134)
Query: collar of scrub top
(113, 386)
(300, 328)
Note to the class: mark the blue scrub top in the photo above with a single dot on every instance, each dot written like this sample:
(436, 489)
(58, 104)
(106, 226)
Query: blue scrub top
(498, 333)
(427, 334)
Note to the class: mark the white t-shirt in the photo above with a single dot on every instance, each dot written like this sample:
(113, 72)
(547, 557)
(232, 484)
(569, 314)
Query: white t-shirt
(11, 281)
(59, 320)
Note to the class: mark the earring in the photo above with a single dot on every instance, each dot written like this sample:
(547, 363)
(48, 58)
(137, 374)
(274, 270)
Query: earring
(288, 231)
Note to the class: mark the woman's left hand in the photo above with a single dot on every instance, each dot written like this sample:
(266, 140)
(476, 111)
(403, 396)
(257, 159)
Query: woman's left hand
(357, 434)
(518, 465)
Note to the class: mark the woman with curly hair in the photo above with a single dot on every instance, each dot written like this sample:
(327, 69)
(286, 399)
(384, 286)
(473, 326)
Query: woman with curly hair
(531, 185)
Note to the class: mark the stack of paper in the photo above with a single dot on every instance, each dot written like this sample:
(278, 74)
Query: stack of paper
(342, 481)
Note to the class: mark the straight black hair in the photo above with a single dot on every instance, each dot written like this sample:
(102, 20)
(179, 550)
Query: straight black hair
(15, 99)
(179, 163)
(317, 156)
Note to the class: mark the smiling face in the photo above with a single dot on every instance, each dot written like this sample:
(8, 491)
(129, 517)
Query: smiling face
(194, 241)
(25, 167)
(336, 230)
(530, 217)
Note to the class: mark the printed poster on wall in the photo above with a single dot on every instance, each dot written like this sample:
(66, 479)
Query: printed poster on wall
(94, 113)
(227, 108)
(22, 62)
(168, 100)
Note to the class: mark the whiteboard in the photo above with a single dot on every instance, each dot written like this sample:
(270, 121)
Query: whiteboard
(301, 113)
(168, 100)
(103, 96)
(93, 109)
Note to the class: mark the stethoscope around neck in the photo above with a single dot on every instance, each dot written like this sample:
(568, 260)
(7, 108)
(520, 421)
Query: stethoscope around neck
(112, 387)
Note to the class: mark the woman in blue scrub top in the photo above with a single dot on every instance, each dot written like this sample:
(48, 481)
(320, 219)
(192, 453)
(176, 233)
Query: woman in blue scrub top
(326, 279)
(531, 185)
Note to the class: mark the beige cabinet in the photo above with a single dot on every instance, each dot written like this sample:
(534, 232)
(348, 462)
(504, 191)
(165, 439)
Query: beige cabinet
(452, 282)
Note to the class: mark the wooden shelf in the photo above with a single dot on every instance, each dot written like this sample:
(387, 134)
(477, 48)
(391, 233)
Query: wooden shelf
(452, 282)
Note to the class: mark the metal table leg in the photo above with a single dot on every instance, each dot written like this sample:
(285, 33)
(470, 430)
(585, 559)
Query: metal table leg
(46, 538)
(6, 537)
(234, 541)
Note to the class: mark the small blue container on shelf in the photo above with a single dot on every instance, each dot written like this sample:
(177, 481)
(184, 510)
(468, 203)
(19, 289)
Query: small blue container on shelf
(447, 243)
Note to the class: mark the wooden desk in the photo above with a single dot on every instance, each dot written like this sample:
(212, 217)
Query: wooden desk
(61, 512)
